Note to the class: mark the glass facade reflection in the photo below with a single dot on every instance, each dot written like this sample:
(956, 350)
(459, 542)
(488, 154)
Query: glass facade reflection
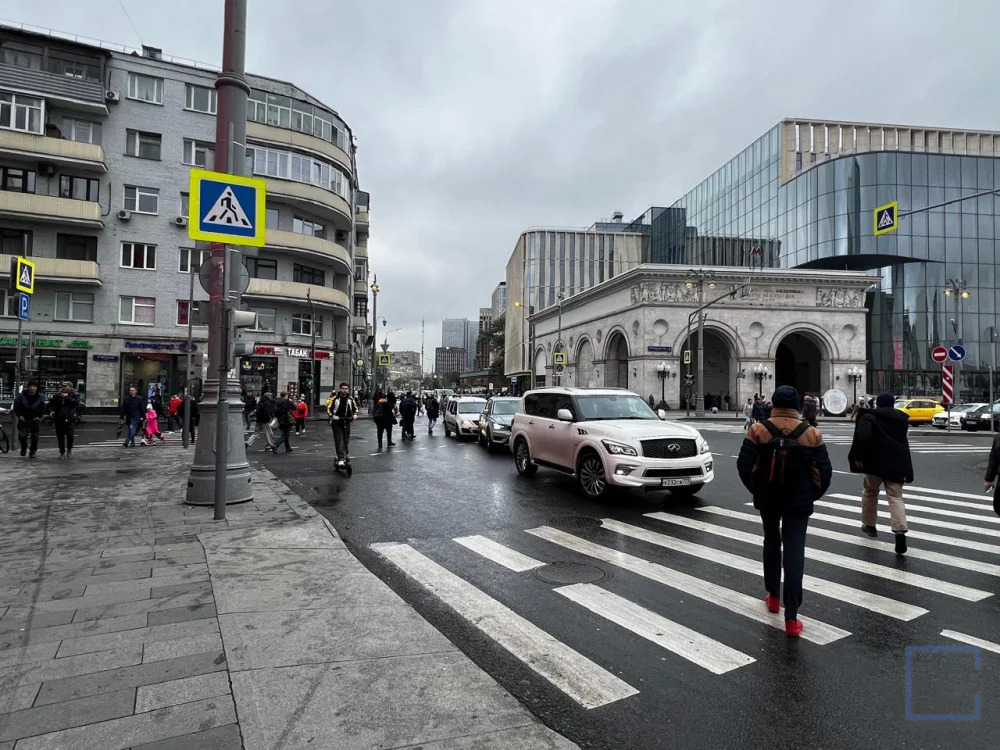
(804, 196)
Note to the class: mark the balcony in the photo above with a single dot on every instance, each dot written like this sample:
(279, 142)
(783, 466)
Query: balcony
(57, 270)
(41, 148)
(361, 250)
(360, 324)
(49, 209)
(299, 293)
(311, 198)
(361, 220)
(297, 140)
(312, 247)
(360, 288)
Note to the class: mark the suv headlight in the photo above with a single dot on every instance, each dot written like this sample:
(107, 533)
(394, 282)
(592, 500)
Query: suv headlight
(702, 446)
(619, 449)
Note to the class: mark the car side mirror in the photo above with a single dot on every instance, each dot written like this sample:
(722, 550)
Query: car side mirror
(564, 415)
(661, 414)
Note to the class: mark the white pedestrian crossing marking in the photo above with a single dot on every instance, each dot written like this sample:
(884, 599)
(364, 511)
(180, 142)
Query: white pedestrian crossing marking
(706, 652)
(986, 505)
(949, 493)
(926, 509)
(498, 553)
(917, 519)
(881, 604)
(841, 561)
(227, 211)
(735, 601)
(574, 674)
(972, 640)
(962, 563)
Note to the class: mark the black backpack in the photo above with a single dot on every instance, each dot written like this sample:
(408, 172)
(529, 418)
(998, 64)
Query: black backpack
(782, 462)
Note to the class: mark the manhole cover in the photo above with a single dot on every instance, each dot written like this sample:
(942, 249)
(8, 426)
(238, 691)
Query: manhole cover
(570, 572)
(570, 523)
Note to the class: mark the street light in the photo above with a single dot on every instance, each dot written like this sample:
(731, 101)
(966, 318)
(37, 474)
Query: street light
(854, 374)
(958, 289)
(760, 372)
(699, 278)
(662, 371)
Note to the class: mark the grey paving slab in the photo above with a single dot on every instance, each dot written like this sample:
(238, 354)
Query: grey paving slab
(86, 601)
(161, 724)
(103, 575)
(177, 647)
(72, 631)
(179, 550)
(83, 684)
(184, 690)
(75, 713)
(171, 589)
(134, 551)
(142, 635)
(180, 560)
(531, 737)
(262, 562)
(11, 657)
(188, 599)
(180, 570)
(144, 585)
(429, 698)
(220, 738)
(102, 662)
(180, 614)
(244, 593)
(298, 535)
(277, 639)
(16, 620)
(19, 698)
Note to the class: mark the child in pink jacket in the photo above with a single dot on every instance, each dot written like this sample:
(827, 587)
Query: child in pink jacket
(152, 426)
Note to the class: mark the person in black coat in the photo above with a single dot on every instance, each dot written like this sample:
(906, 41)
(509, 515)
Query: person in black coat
(133, 412)
(992, 467)
(262, 421)
(433, 413)
(880, 450)
(63, 407)
(29, 408)
(283, 412)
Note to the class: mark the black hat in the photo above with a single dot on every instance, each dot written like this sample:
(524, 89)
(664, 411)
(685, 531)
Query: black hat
(785, 397)
(885, 399)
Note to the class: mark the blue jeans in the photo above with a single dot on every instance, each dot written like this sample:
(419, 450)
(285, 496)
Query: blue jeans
(133, 427)
(785, 547)
(430, 424)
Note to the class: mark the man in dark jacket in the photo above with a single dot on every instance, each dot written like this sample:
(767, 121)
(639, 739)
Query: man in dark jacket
(433, 413)
(759, 411)
(29, 408)
(63, 407)
(810, 408)
(785, 511)
(262, 420)
(881, 452)
(342, 411)
(408, 414)
(992, 468)
(249, 408)
(283, 412)
(133, 412)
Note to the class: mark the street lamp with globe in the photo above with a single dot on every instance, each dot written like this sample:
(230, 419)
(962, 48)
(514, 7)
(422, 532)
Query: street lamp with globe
(662, 372)
(760, 372)
(854, 374)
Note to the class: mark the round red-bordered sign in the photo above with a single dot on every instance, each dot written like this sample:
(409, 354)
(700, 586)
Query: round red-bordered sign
(939, 354)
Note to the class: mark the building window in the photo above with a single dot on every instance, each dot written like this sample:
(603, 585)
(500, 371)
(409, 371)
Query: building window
(75, 307)
(76, 247)
(17, 180)
(199, 154)
(21, 55)
(283, 112)
(361, 307)
(81, 131)
(199, 99)
(305, 226)
(145, 88)
(143, 200)
(139, 255)
(262, 268)
(185, 201)
(190, 259)
(8, 304)
(288, 165)
(142, 145)
(79, 188)
(182, 313)
(271, 218)
(15, 242)
(140, 311)
(266, 317)
(74, 67)
(360, 271)
(308, 275)
(20, 112)
(302, 324)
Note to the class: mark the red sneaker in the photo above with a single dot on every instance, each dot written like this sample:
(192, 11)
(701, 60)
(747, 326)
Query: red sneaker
(773, 603)
(793, 628)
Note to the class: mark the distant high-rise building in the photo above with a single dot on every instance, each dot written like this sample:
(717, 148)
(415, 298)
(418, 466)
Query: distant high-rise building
(499, 300)
(448, 360)
(404, 372)
(471, 337)
(483, 357)
(453, 332)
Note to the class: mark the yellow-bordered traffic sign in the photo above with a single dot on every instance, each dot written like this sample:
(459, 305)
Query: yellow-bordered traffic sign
(559, 358)
(24, 280)
(885, 218)
(226, 208)
(385, 359)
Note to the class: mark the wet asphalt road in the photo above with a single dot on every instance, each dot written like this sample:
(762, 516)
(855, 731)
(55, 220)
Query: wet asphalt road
(850, 693)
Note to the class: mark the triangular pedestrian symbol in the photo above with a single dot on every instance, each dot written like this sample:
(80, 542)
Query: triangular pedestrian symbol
(227, 211)
(885, 220)
(25, 276)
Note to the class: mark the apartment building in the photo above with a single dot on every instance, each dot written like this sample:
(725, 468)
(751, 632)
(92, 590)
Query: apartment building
(448, 360)
(483, 357)
(96, 146)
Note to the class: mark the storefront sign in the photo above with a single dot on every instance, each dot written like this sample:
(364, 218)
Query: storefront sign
(304, 353)
(264, 350)
(105, 357)
(48, 343)
(160, 346)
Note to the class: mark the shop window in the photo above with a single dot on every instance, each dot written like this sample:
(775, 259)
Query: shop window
(139, 255)
(140, 311)
(302, 324)
(76, 247)
(143, 200)
(308, 275)
(189, 259)
(76, 307)
(182, 313)
(17, 180)
(15, 242)
(265, 319)
(262, 268)
(79, 188)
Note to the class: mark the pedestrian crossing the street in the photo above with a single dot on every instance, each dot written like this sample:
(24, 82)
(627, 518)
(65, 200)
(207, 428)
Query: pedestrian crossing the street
(687, 585)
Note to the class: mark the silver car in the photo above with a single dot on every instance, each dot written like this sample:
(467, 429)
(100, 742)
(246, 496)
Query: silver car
(494, 422)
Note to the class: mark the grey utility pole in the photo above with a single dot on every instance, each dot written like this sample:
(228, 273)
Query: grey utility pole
(220, 473)
(188, 398)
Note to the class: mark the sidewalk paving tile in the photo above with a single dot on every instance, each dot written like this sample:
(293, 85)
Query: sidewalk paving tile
(102, 662)
(74, 713)
(178, 647)
(184, 690)
(143, 605)
(311, 535)
(12, 657)
(245, 593)
(181, 614)
(220, 738)
(72, 631)
(142, 635)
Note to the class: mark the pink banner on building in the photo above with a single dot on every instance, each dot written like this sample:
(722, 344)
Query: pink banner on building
(897, 354)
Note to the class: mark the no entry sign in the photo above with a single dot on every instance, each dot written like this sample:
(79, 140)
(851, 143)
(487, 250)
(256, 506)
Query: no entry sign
(939, 354)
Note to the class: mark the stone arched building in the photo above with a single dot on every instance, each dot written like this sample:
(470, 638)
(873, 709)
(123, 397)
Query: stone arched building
(805, 327)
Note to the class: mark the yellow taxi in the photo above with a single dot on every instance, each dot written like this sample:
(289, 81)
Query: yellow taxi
(920, 410)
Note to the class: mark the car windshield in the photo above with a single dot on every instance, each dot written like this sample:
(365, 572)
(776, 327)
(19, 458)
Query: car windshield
(470, 407)
(964, 407)
(900, 404)
(613, 406)
(504, 408)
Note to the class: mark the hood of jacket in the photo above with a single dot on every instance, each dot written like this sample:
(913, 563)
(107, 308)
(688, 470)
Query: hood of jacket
(890, 414)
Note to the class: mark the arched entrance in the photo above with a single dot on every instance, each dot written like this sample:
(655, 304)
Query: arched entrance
(616, 362)
(585, 365)
(718, 354)
(540, 368)
(798, 362)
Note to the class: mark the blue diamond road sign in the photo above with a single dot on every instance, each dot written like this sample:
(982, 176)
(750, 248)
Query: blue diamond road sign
(23, 306)
(226, 208)
(956, 353)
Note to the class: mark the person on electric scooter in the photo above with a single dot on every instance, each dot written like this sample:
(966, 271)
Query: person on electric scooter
(342, 410)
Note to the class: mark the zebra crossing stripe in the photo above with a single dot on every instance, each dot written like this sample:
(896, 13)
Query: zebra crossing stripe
(841, 561)
(699, 649)
(498, 553)
(962, 563)
(927, 509)
(972, 640)
(735, 601)
(917, 519)
(574, 674)
(950, 493)
(986, 505)
(874, 602)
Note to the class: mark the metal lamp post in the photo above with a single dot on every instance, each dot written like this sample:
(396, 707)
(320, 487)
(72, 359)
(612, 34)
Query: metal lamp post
(854, 374)
(760, 372)
(374, 371)
(957, 289)
(699, 278)
(662, 370)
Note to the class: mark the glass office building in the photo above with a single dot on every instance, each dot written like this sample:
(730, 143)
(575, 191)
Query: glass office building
(802, 195)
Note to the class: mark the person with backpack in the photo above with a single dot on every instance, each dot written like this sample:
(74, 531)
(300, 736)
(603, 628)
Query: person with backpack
(880, 450)
(262, 421)
(408, 414)
(433, 412)
(342, 410)
(384, 417)
(759, 411)
(992, 468)
(785, 465)
(284, 412)
(810, 408)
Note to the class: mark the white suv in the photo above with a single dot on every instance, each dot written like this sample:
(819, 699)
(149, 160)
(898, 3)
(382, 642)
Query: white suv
(607, 437)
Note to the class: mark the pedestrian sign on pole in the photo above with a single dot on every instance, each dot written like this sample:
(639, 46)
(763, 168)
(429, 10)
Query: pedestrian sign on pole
(226, 208)
(947, 384)
(886, 218)
(559, 358)
(24, 276)
(23, 306)
(384, 359)
(687, 356)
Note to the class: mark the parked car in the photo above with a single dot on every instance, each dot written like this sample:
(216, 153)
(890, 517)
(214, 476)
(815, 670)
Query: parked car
(940, 420)
(461, 416)
(920, 410)
(608, 438)
(979, 419)
(494, 422)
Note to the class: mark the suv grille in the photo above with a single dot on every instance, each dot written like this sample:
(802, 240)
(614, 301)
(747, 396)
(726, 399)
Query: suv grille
(664, 448)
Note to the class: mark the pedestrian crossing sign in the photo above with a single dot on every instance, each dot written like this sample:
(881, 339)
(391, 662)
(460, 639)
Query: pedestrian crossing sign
(886, 218)
(384, 360)
(226, 208)
(24, 276)
(559, 358)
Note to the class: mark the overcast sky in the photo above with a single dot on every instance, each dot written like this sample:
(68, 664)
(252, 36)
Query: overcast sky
(476, 119)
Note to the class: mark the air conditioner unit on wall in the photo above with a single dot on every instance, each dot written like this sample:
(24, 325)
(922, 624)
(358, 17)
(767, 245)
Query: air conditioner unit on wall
(112, 97)
(181, 221)
(124, 215)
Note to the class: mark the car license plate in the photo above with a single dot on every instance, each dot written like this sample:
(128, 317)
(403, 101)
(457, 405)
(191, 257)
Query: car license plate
(675, 482)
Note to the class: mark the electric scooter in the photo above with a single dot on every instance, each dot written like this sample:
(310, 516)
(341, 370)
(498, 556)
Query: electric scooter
(343, 467)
